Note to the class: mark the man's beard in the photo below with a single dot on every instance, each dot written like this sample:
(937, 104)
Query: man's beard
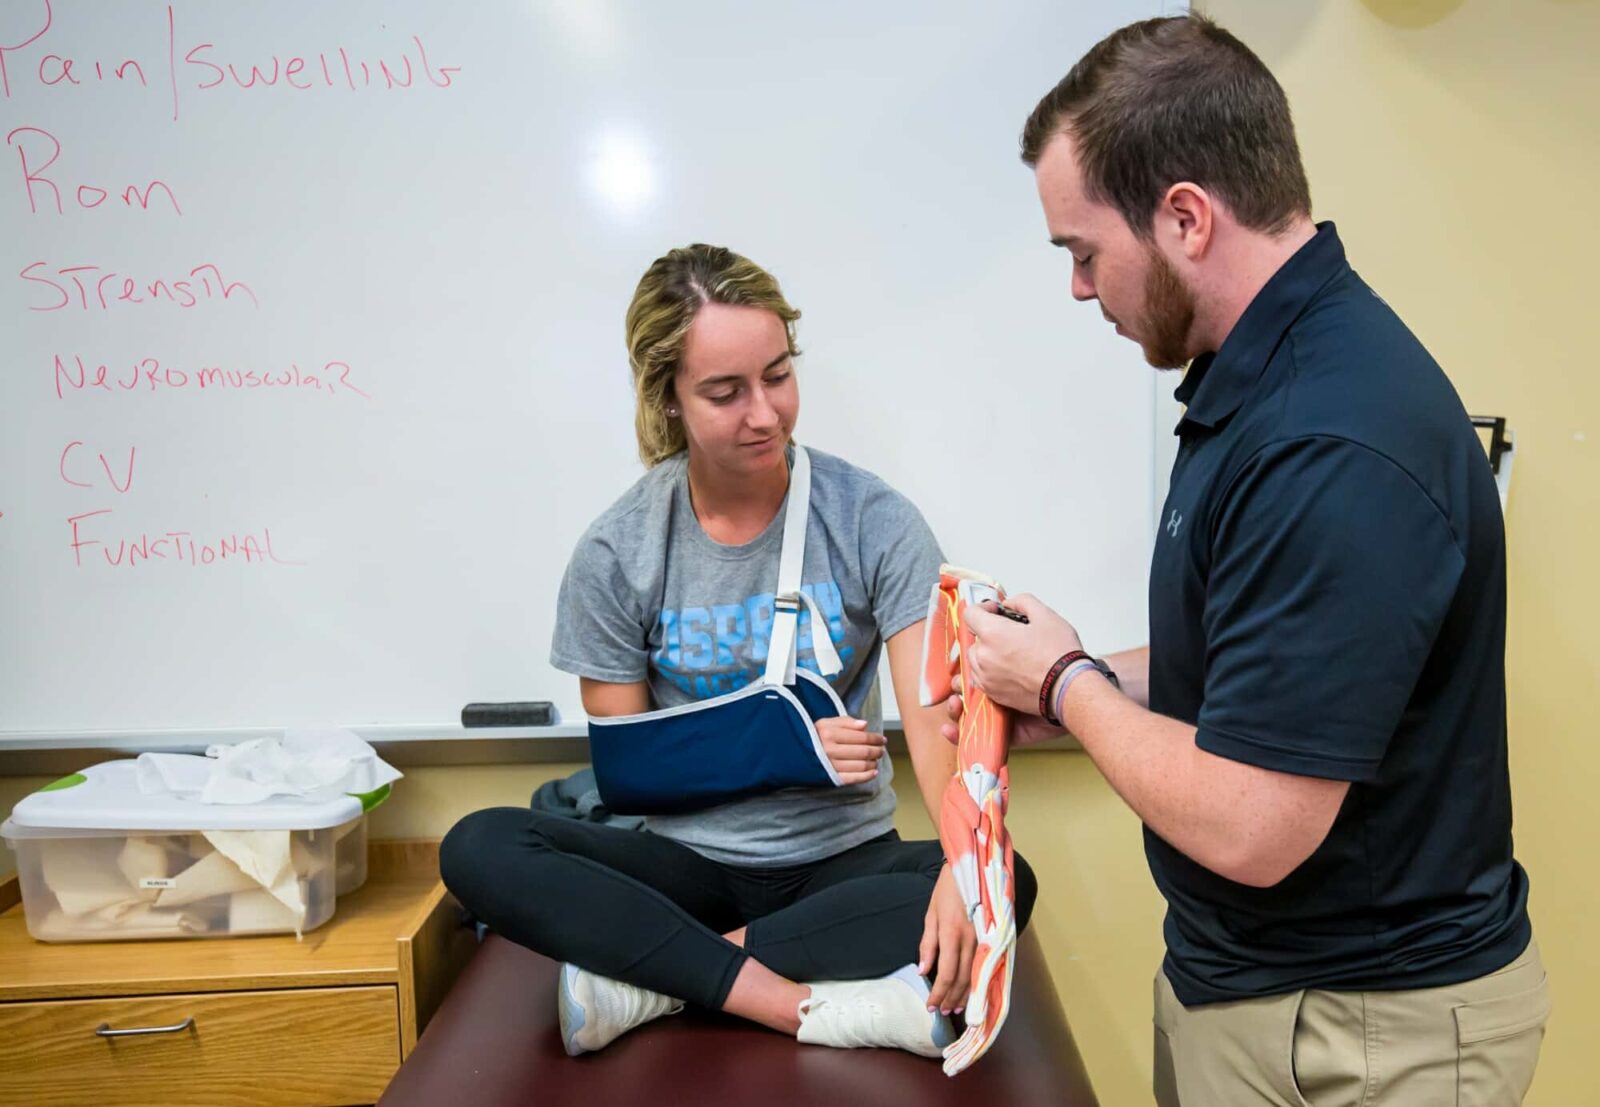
(1168, 315)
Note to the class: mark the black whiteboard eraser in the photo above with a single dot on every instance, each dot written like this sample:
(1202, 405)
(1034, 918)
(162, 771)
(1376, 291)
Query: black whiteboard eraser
(525, 713)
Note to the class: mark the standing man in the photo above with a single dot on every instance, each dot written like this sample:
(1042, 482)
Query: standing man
(1316, 737)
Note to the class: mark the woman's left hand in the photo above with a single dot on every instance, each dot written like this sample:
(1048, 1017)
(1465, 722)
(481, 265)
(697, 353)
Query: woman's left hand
(1010, 659)
(852, 749)
(948, 942)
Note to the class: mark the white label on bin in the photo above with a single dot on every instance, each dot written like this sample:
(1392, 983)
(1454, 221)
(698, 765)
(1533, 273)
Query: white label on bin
(157, 882)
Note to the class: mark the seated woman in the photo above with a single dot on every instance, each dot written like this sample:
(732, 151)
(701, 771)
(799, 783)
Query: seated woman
(797, 907)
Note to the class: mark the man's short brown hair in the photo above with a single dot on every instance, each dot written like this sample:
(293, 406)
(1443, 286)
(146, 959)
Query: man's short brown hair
(1177, 99)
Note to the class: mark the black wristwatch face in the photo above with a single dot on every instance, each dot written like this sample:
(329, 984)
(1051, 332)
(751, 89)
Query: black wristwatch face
(1105, 671)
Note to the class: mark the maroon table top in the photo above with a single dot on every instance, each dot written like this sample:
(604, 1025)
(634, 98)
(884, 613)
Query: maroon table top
(494, 1043)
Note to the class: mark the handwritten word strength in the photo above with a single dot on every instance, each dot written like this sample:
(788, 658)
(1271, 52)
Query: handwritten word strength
(98, 288)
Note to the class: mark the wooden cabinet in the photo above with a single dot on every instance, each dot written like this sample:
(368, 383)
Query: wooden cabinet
(226, 1021)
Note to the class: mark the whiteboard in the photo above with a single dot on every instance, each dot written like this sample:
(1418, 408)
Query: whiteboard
(313, 369)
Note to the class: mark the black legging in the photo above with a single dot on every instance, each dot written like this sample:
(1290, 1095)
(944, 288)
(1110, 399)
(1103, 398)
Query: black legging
(642, 908)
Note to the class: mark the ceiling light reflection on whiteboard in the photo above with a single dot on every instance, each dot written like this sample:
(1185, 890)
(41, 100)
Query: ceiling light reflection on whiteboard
(622, 175)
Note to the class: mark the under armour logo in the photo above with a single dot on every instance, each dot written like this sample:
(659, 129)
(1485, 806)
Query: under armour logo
(1174, 523)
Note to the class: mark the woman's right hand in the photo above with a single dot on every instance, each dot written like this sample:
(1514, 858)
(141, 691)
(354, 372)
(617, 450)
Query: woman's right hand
(852, 749)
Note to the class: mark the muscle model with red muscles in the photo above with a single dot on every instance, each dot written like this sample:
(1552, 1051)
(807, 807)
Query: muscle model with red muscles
(972, 821)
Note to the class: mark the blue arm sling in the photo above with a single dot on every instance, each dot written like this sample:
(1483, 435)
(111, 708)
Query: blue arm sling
(755, 740)
(758, 739)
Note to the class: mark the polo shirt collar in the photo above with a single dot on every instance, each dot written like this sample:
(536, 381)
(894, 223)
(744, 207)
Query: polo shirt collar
(1216, 384)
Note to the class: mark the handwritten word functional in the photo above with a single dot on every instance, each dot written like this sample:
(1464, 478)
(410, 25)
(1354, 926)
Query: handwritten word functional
(37, 187)
(99, 288)
(73, 374)
(174, 547)
(191, 65)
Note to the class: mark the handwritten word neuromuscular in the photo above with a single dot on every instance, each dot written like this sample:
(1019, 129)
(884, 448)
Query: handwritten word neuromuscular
(190, 65)
(74, 374)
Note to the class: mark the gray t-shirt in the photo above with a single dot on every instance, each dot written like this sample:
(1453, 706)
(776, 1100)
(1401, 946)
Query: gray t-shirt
(648, 595)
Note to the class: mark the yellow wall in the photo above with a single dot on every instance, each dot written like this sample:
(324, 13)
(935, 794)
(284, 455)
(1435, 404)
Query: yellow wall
(1454, 141)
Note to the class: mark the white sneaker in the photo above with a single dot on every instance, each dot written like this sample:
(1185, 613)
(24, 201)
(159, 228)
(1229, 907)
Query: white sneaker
(891, 1011)
(596, 1010)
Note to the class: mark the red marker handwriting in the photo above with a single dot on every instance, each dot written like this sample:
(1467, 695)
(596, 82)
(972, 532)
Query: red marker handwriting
(98, 289)
(296, 72)
(331, 378)
(127, 480)
(13, 47)
(199, 66)
(38, 150)
(174, 547)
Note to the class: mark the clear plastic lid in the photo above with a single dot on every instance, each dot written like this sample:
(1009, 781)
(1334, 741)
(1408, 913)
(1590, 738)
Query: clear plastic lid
(106, 799)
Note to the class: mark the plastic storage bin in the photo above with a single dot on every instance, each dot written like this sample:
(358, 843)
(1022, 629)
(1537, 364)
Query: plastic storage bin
(99, 860)
(350, 844)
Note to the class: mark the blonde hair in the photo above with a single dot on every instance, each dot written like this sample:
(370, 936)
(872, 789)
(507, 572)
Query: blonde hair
(669, 295)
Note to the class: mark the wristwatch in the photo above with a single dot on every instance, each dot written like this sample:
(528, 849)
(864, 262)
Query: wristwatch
(1105, 671)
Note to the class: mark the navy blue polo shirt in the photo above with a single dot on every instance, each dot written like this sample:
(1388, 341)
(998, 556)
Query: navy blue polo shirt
(1327, 598)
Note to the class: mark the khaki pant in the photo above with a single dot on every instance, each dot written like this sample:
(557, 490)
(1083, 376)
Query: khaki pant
(1473, 1044)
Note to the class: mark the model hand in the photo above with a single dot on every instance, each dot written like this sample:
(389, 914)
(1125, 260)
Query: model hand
(948, 942)
(853, 750)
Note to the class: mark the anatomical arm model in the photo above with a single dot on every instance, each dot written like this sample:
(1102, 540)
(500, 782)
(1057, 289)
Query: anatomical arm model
(972, 819)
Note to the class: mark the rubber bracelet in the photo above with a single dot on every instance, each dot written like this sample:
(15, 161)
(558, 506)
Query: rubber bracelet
(1072, 674)
(1050, 682)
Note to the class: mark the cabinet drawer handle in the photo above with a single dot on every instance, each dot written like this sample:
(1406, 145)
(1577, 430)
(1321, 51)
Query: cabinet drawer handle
(105, 1031)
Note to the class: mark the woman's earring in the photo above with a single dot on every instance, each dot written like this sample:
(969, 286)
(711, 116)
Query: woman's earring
(672, 413)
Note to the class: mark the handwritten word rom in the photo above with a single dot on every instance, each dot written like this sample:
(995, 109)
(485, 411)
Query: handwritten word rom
(38, 151)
